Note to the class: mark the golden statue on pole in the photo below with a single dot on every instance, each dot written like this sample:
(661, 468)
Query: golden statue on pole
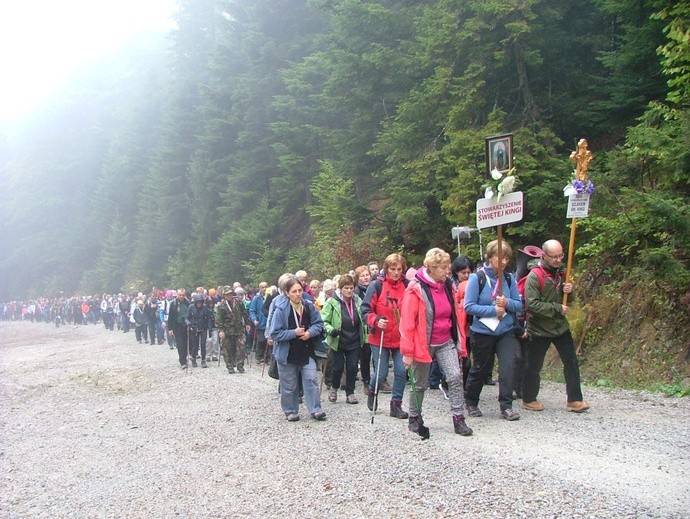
(581, 158)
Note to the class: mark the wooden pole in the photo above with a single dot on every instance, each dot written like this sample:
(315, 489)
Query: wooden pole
(571, 249)
(499, 273)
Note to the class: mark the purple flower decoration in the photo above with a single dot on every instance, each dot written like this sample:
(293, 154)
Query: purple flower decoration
(579, 186)
(590, 187)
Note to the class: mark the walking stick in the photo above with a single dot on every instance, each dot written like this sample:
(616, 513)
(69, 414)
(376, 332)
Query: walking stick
(422, 429)
(263, 367)
(323, 375)
(253, 349)
(376, 385)
(187, 359)
(220, 351)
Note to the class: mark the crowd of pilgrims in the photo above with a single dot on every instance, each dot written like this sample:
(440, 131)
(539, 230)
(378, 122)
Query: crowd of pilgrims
(353, 327)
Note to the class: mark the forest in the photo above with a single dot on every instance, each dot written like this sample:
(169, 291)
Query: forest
(266, 136)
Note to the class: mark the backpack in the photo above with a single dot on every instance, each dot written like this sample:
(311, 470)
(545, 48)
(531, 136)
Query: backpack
(541, 276)
(378, 284)
(481, 279)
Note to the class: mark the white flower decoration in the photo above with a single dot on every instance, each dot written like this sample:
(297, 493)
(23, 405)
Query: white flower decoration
(489, 193)
(569, 190)
(507, 184)
(495, 174)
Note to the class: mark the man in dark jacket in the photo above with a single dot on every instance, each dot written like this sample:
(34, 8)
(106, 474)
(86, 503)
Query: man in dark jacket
(177, 325)
(200, 322)
(546, 324)
(259, 320)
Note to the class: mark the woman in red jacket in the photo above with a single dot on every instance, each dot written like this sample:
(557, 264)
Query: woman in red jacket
(381, 311)
(428, 330)
(462, 268)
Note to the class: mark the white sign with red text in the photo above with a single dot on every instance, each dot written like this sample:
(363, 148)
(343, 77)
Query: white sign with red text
(491, 213)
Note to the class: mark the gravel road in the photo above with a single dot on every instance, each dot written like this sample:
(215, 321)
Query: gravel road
(95, 425)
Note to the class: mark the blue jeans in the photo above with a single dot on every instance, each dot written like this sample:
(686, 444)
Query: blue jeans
(289, 387)
(400, 376)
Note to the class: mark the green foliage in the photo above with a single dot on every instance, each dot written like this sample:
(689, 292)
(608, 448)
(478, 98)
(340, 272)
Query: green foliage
(676, 51)
(650, 235)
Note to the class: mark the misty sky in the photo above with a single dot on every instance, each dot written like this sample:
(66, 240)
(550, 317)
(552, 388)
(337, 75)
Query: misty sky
(43, 42)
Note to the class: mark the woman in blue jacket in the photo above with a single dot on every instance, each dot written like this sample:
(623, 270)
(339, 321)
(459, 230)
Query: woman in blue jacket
(493, 323)
(294, 324)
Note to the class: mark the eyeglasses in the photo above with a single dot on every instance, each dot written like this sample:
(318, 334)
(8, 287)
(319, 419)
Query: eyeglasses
(557, 256)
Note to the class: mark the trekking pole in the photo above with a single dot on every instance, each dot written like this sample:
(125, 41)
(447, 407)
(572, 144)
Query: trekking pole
(323, 375)
(253, 349)
(376, 385)
(187, 359)
(263, 367)
(422, 429)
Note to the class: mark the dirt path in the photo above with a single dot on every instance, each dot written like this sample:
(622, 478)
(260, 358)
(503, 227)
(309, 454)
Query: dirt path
(95, 425)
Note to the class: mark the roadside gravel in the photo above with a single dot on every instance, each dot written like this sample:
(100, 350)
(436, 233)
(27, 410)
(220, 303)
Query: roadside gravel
(95, 425)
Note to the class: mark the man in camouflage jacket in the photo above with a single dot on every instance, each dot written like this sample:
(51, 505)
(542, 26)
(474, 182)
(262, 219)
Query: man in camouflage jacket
(232, 322)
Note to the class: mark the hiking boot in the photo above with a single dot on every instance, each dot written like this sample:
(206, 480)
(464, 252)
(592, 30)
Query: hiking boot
(351, 399)
(413, 423)
(577, 406)
(371, 399)
(320, 416)
(385, 387)
(183, 366)
(397, 411)
(460, 426)
(332, 395)
(231, 371)
(194, 364)
(240, 369)
(490, 381)
(292, 417)
(510, 414)
(533, 406)
(203, 364)
(474, 411)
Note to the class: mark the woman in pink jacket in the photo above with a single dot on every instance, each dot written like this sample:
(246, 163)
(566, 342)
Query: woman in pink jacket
(428, 331)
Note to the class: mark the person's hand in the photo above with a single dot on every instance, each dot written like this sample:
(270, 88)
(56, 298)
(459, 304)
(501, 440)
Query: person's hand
(256, 323)
(171, 333)
(501, 301)
(221, 335)
(407, 361)
(564, 309)
(568, 288)
(306, 336)
(247, 327)
(334, 333)
(269, 342)
(382, 323)
(299, 331)
(500, 311)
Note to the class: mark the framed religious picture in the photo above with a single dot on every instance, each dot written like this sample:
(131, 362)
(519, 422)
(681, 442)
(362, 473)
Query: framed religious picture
(499, 153)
